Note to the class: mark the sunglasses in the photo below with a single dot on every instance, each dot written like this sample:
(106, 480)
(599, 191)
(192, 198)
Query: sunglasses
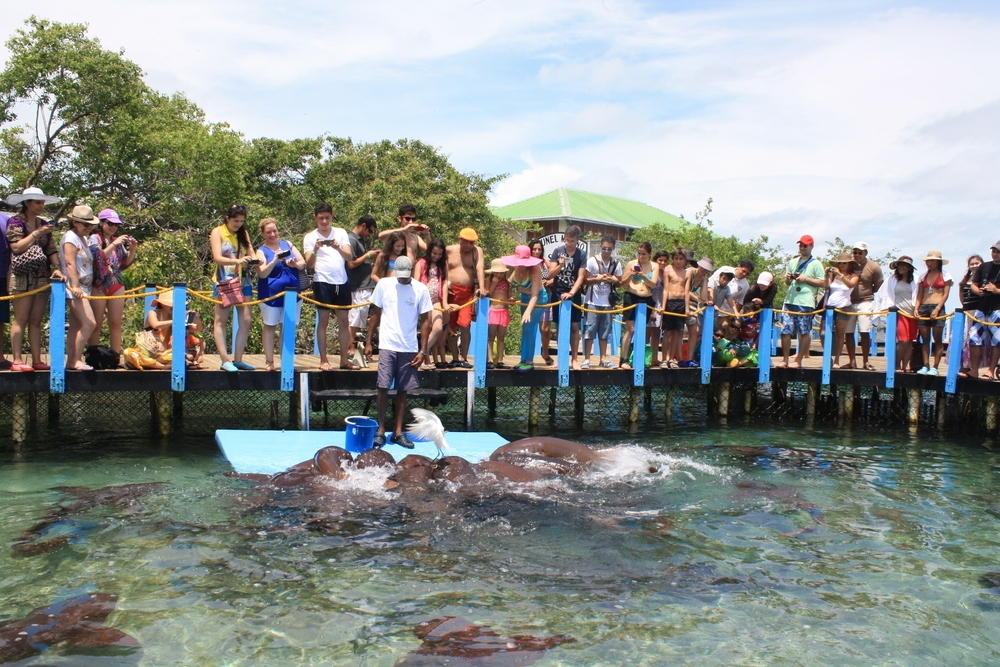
(410, 218)
(606, 249)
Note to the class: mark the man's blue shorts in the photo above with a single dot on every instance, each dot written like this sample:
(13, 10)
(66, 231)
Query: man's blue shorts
(800, 325)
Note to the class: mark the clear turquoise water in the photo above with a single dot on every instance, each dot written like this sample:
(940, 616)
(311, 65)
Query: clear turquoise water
(866, 550)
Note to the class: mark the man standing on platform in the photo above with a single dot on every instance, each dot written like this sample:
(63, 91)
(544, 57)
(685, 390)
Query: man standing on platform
(804, 277)
(863, 300)
(399, 305)
(603, 275)
(359, 274)
(415, 233)
(569, 266)
(467, 278)
(328, 249)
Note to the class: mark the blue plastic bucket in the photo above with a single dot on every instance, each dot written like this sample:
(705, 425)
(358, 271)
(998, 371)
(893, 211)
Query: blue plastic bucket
(360, 433)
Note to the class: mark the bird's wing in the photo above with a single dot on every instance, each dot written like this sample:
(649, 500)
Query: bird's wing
(427, 426)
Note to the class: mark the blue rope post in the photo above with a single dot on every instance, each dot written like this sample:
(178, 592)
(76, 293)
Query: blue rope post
(480, 340)
(57, 337)
(288, 330)
(765, 336)
(148, 305)
(707, 331)
(827, 345)
(639, 347)
(890, 347)
(955, 351)
(178, 336)
(562, 341)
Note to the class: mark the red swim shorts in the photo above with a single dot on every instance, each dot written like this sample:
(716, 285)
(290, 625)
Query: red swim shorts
(460, 295)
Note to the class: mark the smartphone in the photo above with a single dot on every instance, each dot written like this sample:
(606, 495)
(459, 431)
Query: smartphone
(637, 268)
(421, 228)
(284, 253)
(253, 262)
(190, 317)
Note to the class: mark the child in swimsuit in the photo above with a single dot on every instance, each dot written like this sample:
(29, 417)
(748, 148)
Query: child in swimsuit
(499, 318)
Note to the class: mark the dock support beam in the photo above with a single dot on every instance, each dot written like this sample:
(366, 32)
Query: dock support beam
(668, 407)
(913, 411)
(812, 394)
(634, 394)
(724, 399)
(942, 410)
(19, 418)
(534, 405)
(164, 402)
(579, 401)
(991, 413)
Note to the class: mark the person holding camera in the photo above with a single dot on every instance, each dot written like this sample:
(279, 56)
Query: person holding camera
(234, 255)
(25, 231)
(328, 250)
(805, 277)
(280, 262)
(840, 283)
(112, 253)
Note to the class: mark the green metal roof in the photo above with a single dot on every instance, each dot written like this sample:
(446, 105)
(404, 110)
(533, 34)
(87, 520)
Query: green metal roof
(578, 205)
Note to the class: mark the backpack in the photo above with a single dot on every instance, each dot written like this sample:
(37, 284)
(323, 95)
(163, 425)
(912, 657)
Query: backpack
(614, 296)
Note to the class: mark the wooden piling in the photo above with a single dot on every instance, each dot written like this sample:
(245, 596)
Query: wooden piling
(579, 403)
(812, 395)
(19, 418)
(941, 404)
(163, 402)
(724, 399)
(491, 402)
(850, 394)
(913, 409)
(634, 393)
(668, 406)
(534, 405)
(991, 413)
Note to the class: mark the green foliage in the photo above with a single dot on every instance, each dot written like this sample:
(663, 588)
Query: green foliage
(723, 250)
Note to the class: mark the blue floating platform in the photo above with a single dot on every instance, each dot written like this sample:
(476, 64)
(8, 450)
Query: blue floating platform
(269, 452)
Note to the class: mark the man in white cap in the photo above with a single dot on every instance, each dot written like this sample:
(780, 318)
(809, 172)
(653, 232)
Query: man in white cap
(863, 300)
(399, 305)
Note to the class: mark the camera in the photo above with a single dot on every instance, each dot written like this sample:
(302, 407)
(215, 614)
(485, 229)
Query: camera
(190, 317)
(284, 254)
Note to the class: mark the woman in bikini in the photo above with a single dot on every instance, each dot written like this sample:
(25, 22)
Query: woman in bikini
(933, 288)
(234, 255)
(432, 270)
(544, 298)
(840, 282)
(638, 282)
(499, 316)
(395, 247)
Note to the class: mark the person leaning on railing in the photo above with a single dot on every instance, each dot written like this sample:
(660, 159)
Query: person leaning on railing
(27, 282)
(900, 291)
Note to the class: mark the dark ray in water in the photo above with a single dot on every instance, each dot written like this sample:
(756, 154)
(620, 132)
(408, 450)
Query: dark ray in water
(75, 623)
(122, 497)
(455, 641)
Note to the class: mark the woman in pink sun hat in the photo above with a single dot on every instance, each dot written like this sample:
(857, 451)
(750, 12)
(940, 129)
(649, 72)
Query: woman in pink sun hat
(526, 277)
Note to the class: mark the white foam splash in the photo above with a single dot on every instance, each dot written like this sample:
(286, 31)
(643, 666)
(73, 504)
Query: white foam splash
(633, 461)
(368, 481)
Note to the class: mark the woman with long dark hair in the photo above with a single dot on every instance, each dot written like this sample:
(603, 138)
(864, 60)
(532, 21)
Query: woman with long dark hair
(395, 247)
(900, 291)
(638, 278)
(934, 286)
(544, 298)
(233, 254)
(113, 253)
(432, 270)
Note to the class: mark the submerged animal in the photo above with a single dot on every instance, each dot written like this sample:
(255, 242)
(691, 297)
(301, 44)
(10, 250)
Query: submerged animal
(455, 641)
(75, 623)
(123, 496)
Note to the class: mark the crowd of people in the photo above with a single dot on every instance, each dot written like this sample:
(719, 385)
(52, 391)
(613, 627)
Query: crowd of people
(344, 268)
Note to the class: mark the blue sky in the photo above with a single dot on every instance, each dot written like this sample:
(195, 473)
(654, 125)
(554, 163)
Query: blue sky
(875, 121)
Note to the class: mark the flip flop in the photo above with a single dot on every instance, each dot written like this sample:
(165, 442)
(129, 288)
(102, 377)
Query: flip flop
(869, 367)
(350, 366)
(82, 367)
(24, 368)
(40, 366)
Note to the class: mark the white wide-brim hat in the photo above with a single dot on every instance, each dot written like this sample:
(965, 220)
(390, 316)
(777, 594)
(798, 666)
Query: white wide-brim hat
(32, 194)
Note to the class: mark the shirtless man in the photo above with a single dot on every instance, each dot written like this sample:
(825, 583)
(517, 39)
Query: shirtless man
(467, 278)
(676, 299)
(699, 296)
(416, 234)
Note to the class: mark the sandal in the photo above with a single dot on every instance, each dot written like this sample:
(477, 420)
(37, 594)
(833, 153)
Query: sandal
(350, 366)
(39, 366)
(82, 367)
(24, 368)
(869, 367)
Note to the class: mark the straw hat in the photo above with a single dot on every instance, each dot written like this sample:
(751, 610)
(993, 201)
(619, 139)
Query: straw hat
(934, 254)
(83, 213)
(32, 194)
(707, 264)
(521, 257)
(165, 299)
(497, 266)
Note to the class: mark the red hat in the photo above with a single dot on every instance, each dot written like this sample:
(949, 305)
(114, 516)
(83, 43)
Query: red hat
(808, 240)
